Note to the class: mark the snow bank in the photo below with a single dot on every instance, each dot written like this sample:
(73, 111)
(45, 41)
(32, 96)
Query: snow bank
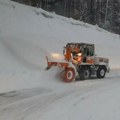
(29, 34)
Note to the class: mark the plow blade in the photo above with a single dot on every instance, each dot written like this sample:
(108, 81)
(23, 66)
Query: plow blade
(53, 63)
(69, 72)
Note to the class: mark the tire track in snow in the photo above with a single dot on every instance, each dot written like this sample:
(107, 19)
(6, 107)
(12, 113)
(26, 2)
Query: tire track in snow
(22, 109)
(80, 94)
(39, 105)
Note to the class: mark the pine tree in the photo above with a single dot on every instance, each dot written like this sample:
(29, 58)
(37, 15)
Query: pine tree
(116, 16)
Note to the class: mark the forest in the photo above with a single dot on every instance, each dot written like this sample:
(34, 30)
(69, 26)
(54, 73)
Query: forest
(104, 13)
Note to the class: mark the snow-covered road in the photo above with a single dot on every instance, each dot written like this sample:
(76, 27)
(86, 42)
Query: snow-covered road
(42, 104)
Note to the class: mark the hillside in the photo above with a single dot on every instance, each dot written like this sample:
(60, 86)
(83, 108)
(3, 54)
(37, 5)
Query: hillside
(29, 34)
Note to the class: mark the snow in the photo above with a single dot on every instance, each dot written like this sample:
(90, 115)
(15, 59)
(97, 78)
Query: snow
(28, 91)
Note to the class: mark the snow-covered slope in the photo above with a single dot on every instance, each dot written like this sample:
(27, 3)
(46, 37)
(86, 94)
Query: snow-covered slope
(29, 34)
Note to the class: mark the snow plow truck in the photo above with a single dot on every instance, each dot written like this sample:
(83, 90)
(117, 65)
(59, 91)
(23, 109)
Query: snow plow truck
(81, 62)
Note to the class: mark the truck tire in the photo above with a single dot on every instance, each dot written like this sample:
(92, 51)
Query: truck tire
(101, 72)
(69, 75)
(85, 74)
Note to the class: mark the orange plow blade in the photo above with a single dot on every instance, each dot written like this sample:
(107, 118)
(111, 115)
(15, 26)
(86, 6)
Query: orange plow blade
(53, 63)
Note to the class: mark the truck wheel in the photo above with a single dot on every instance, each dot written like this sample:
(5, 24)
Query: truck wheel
(101, 72)
(85, 74)
(69, 75)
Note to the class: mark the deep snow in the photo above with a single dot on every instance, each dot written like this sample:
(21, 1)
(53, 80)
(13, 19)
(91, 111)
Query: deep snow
(27, 36)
